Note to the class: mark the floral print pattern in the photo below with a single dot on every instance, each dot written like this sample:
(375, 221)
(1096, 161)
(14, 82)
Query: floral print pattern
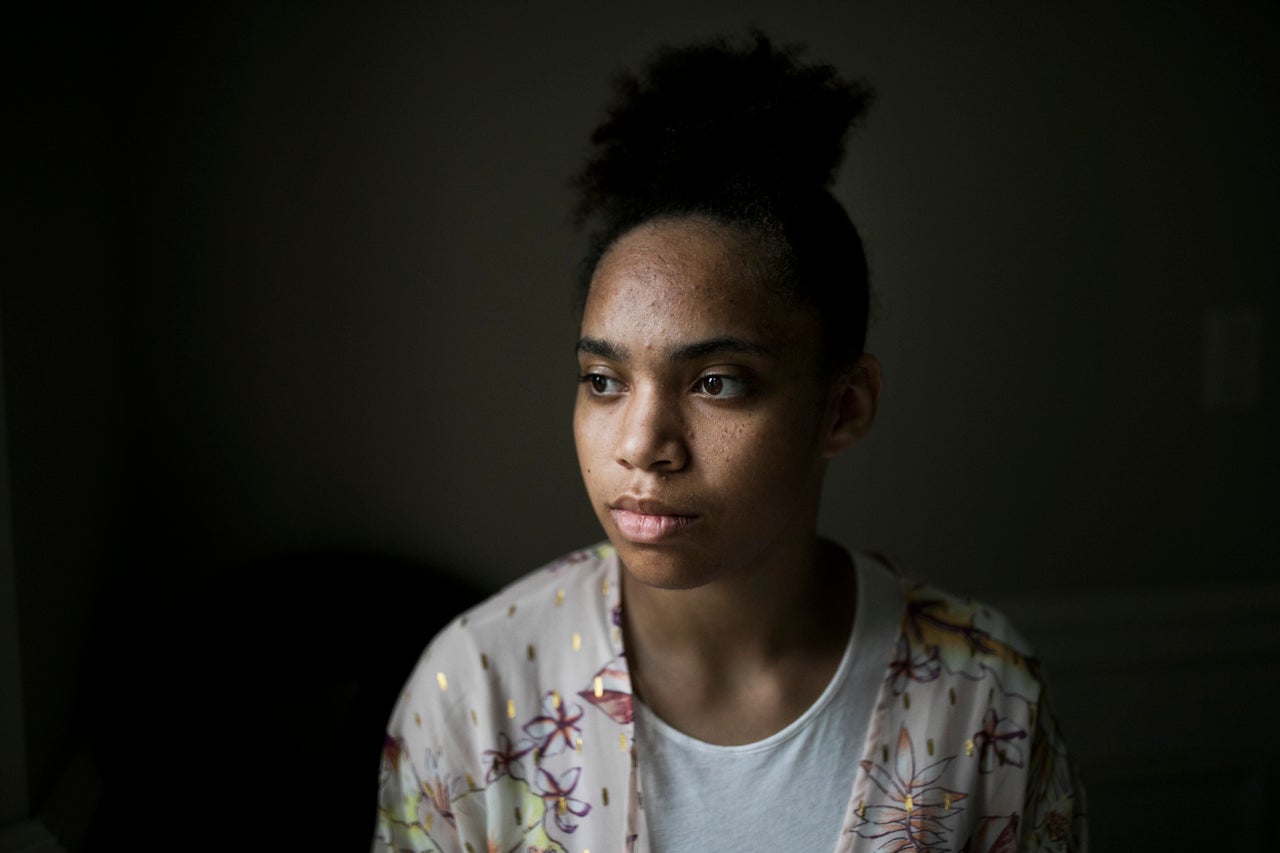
(556, 729)
(515, 733)
(997, 742)
(915, 816)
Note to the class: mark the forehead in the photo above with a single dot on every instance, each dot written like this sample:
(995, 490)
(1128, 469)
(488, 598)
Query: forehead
(677, 281)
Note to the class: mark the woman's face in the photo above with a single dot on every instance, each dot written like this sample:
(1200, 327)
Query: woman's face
(702, 419)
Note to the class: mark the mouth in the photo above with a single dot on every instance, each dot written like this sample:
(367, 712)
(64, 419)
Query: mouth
(644, 521)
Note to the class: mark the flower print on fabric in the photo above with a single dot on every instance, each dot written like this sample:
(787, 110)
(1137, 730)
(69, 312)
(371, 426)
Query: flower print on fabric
(967, 640)
(558, 794)
(556, 728)
(996, 742)
(405, 821)
(440, 788)
(519, 826)
(914, 817)
(1057, 802)
(504, 760)
(908, 665)
(610, 691)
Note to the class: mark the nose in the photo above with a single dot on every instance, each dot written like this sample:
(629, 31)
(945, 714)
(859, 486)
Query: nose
(652, 435)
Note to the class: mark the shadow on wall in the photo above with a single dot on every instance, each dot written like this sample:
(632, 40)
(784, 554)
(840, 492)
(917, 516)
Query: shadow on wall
(252, 714)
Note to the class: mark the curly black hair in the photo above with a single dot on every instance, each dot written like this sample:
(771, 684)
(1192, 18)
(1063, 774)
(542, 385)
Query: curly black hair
(747, 136)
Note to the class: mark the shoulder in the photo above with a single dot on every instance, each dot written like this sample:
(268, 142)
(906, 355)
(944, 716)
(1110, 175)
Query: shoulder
(500, 715)
(550, 588)
(571, 588)
(964, 698)
(527, 634)
(967, 637)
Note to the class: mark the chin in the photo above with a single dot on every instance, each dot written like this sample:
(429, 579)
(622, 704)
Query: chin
(663, 567)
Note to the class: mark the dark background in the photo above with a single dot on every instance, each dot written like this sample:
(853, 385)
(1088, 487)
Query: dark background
(287, 355)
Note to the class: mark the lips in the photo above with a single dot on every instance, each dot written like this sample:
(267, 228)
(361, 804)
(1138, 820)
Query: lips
(648, 521)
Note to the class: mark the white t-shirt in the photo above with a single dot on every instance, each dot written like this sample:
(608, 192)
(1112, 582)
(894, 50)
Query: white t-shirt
(797, 779)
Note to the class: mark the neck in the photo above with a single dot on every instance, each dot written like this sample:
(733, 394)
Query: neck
(737, 659)
(761, 613)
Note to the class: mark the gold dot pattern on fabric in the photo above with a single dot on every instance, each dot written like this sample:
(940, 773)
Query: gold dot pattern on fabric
(426, 824)
(604, 796)
(471, 782)
(951, 695)
(578, 745)
(417, 719)
(622, 741)
(442, 681)
(559, 597)
(577, 641)
(862, 809)
(597, 687)
(511, 709)
(475, 721)
(469, 848)
(519, 818)
(529, 651)
(511, 611)
(562, 806)
(604, 587)
(484, 661)
(946, 802)
(909, 804)
(555, 699)
(906, 701)
(968, 748)
(929, 745)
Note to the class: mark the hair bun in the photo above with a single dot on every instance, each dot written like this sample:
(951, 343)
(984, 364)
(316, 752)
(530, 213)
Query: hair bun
(714, 127)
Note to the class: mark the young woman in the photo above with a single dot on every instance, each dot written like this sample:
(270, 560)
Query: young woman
(716, 676)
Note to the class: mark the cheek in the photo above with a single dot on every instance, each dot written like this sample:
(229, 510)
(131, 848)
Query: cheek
(761, 456)
(588, 439)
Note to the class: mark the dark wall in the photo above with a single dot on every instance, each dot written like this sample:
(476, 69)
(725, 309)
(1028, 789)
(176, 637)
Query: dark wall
(294, 278)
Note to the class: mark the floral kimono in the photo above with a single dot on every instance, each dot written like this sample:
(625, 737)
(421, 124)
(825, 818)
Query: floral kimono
(515, 733)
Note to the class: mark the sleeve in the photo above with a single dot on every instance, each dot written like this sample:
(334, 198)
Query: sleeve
(421, 773)
(407, 807)
(1054, 806)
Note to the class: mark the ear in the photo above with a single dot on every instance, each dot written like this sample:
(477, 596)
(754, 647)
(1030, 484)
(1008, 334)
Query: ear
(855, 397)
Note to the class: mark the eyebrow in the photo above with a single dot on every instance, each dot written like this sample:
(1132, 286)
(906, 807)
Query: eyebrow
(602, 348)
(687, 352)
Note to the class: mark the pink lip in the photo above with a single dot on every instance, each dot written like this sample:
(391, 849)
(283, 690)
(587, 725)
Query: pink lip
(646, 521)
(644, 529)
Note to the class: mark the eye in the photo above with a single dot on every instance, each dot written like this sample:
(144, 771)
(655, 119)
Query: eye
(599, 385)
(718, 385)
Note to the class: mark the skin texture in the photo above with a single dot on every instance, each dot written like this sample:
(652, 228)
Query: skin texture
(704, 426)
